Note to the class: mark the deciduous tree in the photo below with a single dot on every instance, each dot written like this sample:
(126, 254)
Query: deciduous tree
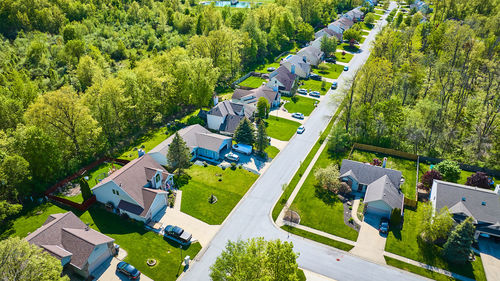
(450, 170)
(263, 108)
(429, 176)
(478, 179)
(328, 178)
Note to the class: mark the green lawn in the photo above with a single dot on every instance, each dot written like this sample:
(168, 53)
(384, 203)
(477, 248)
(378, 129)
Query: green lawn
(314, 85)
(362, 40)
(333, 72)
(405, 243)
(320, 209)
(280, 128)
(271, 151)
(263, 67)
(102, 170)
(131, 236)
(344, 58)
(417, 270)
(149, 141)
(379, 12)
(318, 238)
(367, 26)
(77, 198)
(303, 105)
(407, 167)
(377, 16)
(252, 82)
(204, 182)
(347, 47)
(363, 32)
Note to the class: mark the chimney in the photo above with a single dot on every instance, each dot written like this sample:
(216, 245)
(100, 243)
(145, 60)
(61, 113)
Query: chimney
(304, 58)
(87, 227)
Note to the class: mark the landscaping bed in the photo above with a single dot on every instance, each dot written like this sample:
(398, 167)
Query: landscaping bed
(300, 104)
(252, 82)
(204, 181)
(281, 128)
(314, 85)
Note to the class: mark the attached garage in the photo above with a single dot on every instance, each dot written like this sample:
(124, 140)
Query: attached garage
(382, 197)
(102, 256)
(379, 209)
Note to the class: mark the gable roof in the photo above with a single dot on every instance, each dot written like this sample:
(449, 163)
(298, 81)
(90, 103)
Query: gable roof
(468, 200)
(310, 50)
(65, 235)
(299, 61)
(228, 108)
(231, 123)
(383, 189)
(252, 96)
(366, 173)
(329, 33)
(133, 179)
(284, 76)
(346, 22)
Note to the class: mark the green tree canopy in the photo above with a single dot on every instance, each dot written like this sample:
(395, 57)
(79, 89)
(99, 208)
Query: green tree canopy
(178, 155)
(263, 108)
(369, 19)
(245, 132)
(450, 170)
(261, 141)
(328, 178)
(458, 247)
(328, 45)
(352, 35)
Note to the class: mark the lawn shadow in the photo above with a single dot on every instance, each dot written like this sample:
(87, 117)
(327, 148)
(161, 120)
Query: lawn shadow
(176, 244)
(182, 180)
(396, 231)
(329, 198)
(109, 223)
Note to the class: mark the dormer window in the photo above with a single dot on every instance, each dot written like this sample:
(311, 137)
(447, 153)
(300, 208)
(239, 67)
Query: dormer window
(483, 203)
(463, 198)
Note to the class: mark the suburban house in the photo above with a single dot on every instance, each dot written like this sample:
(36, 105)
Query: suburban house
(297, 65)
(337, 27)
(282, 81)
(421, 6)
(201, 142)
(381, 186)
(311, 55)
(372, 2)
(354, 15)
(226, 116)
(78, 247)
(345, 22)
(464, 201)
(327, 32)
(252, 96)
(138, 189)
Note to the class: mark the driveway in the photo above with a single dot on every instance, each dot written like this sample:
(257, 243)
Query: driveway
(370, 244)
(107, 272)
(490, 255)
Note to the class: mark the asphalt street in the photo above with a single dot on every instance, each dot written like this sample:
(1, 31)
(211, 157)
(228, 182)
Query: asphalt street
(251, 217)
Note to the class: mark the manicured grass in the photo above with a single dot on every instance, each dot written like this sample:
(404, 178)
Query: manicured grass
(407, 167)
(303, 105)
(367, 26)
(252, 82)
(417, 270)
(347, 47)
(149, 141)
(77, 198)
(314, 85)
(362, 40)
(333, 72)
(263, 67)
(405, 243)
(101, 170)
(377, 16)
(320, 209)
(363, 32)
(318, 238)
(344, 58)
(271, 151)
(131, 236)
(379, 12)
(280, 128)
(204, 182)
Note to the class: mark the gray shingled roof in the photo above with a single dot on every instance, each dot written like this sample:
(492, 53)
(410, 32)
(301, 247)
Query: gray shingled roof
(65, 234)
(449, 194)
(284, 76)
(366, 173)
(383, 189)
(297, 60)
(315, 52)
(252, 96)
(346, 22)
(231, 123)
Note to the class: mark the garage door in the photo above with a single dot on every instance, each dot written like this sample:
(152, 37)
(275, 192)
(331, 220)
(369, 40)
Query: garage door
(378, 212)
(99, 260)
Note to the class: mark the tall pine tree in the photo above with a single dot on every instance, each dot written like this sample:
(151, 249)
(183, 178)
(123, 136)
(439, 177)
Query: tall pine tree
(178, 155)
(457, 248)
(245, 132)
(261, 141)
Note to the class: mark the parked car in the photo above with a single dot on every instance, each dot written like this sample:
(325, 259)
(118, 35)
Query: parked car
(128, 270)
(302, 91)
(315, 94)
(300, 129)
(346, 68)
(271, 69)
(314, 76)
(243, 148)
(298, 115)
(177, 234)
(332, 60)
(232, 157)
(384, 225)
(334, 86)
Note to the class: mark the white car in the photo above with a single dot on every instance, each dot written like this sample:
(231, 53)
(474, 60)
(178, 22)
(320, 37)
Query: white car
(315, 94)
(232, 157)
(300, 129)
(298, 115)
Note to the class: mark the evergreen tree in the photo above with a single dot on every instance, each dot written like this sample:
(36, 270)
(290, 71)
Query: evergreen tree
(457, 248)
(263, 107)
(85, 189)
(245, 132)
(261, 140)
(178, 155)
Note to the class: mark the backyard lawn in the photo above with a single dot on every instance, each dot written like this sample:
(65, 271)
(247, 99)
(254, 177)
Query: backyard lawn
(102, 170)
(333, 72)
(314, 85)
(204, 182)
(303, 105)
(252, 82)
(281, 128)
(131, 236)
(404, 243)
(344, 58)
(149, 141)
(271, 151)
(347, 47)
(320, 209)
(263, 67)
(407, 167)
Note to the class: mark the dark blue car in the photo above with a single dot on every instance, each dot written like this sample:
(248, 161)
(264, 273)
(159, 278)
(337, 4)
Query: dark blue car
(334, 86)
(127, 269)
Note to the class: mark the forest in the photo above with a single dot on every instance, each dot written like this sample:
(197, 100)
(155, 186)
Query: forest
(80, 79)
(431, 87)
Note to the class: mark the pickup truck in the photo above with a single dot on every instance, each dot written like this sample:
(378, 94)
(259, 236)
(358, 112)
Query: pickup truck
(177, 234)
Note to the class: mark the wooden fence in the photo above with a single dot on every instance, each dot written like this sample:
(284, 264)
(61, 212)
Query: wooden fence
(388, 151)
(410, 203)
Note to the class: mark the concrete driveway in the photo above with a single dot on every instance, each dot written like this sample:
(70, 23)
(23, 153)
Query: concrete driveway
(370, 244)
(107, 272)
(490, 255)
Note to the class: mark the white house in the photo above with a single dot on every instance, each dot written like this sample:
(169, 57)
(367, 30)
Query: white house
(311, 54)
(297, 65)
(337, 27)
(282, 80)
(354, 15)
(251, 97)
(138, 189)
(226, 116)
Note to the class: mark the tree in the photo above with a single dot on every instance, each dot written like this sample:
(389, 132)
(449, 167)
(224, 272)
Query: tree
(85, 189)
(22, 261)
(328, 45)
(7, 210)
(263, 108)
(339, 140)
(450, 170)
(14, 177)
(478, 179)
(436, 228)
(261, 140)
(376, 162)
(429, 176)
(396, 217)
(328, 178)
(256, 259)
(352, 35)
(369, 19)
(178, 155)
(244, 133)
(344, 188)
(305, 32)
(457, 248)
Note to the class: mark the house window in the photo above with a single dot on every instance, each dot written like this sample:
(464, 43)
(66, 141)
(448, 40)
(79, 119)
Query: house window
(116, 192)
(157, 178)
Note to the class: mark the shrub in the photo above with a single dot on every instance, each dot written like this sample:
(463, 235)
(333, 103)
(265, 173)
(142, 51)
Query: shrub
(294, 99)
(478, 179)
(233, 166)
(344, 188)
(192, 120)
(430, 176)
(205, 164)
(351, 220)
(376, 162)
(449, 170)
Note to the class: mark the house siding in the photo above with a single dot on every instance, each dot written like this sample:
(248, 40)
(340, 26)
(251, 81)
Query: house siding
(214, 122)
(98, 252)
(159, 202)
(104, 194)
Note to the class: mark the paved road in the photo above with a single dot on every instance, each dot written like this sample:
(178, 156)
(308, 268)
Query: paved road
(251, 217)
